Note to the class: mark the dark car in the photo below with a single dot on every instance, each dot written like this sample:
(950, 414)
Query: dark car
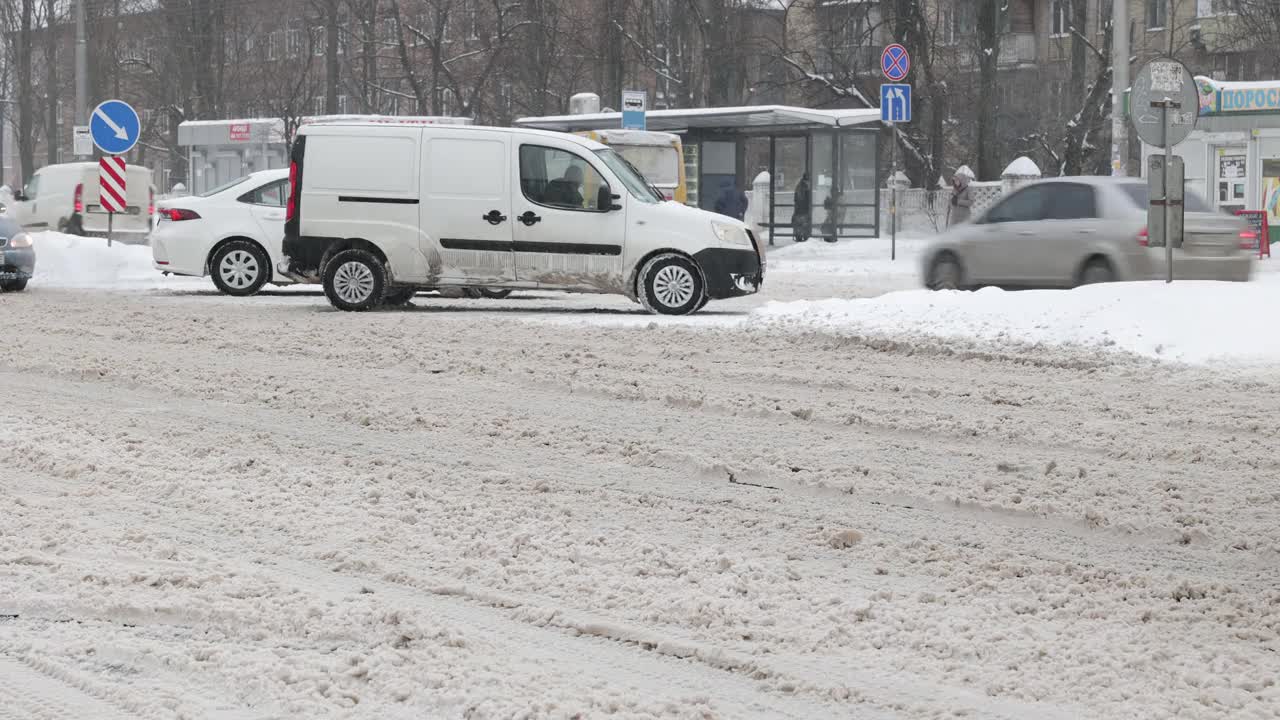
(17, 256)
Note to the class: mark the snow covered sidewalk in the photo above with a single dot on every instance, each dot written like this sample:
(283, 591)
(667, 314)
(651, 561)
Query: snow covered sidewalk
(1194, 322)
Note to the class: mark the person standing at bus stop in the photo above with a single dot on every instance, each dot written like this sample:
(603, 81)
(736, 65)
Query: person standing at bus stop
(732, 201)
(802, 210)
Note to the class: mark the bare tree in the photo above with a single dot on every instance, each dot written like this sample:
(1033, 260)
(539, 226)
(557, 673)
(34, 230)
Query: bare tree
(990, 29)
(26, 91)
(464, 45)
(51, 88)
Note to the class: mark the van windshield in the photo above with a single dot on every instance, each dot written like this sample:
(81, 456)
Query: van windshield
(635, 182)
(658, 163)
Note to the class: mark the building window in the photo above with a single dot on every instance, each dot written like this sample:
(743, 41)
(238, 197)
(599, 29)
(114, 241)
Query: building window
(960, 20)
(294, 43)
(1157, 11)
(274, 42)
(472, 19)
(1229, 66)
(1210, 8)
(318, 41)
(1104, 15)
(1060, 17)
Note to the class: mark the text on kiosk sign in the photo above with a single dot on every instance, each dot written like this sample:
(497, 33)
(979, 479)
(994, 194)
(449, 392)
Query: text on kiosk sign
(1249, 100)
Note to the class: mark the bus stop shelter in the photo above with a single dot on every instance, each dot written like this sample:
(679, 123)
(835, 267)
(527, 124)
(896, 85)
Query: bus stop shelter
(834, 151)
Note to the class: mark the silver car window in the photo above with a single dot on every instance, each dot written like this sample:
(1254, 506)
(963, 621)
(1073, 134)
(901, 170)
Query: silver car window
(1139, 196)
(1071, 201)
(1025, 205)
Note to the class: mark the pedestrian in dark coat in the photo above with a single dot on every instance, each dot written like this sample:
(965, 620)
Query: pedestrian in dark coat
(802, 213)
(732, 201)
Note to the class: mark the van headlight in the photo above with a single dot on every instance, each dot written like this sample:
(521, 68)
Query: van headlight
(731, 234)
(21, 240)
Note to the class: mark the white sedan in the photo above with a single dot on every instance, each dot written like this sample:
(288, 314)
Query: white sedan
(232, 233)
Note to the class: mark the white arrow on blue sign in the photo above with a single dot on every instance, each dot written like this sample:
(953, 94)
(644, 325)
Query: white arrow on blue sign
(114, 126)
(895, 102)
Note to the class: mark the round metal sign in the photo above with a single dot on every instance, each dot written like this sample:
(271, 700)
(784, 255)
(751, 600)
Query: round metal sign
(1164, 85)
(895, 62)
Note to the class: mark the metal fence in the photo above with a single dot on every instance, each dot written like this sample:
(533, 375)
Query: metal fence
(920, 211)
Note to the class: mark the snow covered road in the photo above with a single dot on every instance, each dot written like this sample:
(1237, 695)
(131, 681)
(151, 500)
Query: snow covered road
(267, 509)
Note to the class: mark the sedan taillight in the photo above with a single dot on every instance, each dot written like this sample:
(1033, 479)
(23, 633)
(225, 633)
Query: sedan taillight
(177, 214)
(1143, 239)
(1248, 240)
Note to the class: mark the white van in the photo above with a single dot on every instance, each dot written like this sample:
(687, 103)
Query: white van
(376, 212)
(65, 198)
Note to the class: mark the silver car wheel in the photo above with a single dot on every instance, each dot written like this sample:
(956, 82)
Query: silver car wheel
(353, 282)
(1096, 272)
(946, 275)
(239, 269)
(673, 286)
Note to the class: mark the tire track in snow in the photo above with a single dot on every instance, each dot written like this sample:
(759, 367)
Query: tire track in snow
(33, 688)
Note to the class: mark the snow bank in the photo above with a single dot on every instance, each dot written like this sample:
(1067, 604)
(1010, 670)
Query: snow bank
(850, 257)
(70, 261)
(1192, 322)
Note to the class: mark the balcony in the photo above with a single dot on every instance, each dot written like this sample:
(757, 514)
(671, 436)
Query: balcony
(1019, 48)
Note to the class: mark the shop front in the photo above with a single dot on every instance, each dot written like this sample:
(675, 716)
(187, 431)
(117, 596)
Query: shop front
(1233, 156)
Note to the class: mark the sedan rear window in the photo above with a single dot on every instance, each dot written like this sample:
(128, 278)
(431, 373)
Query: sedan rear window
(1137, 192)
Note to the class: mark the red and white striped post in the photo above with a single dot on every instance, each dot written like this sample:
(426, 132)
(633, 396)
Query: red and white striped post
(111, 188)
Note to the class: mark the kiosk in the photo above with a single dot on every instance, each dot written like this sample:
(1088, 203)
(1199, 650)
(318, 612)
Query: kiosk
(1233, 156)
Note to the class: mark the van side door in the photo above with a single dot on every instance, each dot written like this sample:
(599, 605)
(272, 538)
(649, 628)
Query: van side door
(564, 238)
(466, 208)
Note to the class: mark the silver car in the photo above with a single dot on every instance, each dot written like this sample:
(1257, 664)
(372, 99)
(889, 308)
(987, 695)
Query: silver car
(1075, 231)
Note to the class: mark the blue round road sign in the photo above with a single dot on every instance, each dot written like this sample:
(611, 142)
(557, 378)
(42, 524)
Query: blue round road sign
(114, 126)
(895, 62)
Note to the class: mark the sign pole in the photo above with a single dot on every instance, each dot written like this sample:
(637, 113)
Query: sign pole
(893, 192)
(1168, 158)
(110, 216)
(895, 63)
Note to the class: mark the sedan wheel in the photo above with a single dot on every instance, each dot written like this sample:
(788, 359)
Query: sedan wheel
(945, 274)
(240, 268)
(1097, 271)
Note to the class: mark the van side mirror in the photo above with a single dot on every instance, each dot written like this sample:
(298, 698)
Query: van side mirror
(605, 199)
(20, 196)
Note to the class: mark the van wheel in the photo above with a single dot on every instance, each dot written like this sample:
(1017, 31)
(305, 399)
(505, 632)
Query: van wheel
(671, 285)
(495, 293)
(354, 280)
(397, 297)
(13, 285)
(239, 268)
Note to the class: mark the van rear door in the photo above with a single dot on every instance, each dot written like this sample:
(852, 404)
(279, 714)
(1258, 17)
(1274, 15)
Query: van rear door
(135, 218)
(466, 207)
